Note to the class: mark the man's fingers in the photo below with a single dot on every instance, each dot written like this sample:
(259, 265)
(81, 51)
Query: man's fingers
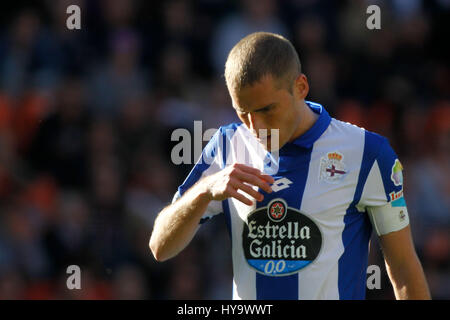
(267, 178)
(233, 193)
(256, 172)
(248, 169)
(254, 180)
(250, 191)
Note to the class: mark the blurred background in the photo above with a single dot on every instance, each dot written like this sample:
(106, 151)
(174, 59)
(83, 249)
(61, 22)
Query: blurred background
(86, 118)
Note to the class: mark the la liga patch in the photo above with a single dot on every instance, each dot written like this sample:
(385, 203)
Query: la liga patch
(397, 175)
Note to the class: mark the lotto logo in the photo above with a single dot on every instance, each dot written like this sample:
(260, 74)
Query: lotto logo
(281, 184)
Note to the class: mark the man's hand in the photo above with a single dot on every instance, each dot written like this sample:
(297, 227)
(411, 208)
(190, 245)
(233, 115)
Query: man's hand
(227, 182)
(176, 224)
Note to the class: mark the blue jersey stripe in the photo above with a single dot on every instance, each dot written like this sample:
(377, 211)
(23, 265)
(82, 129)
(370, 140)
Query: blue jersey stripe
(193, 177)
(226, 211)
(227, 134)
(202, 164)
(219, 140)
(386, 160)
(295, 163)
(357, 231)
(276, 288)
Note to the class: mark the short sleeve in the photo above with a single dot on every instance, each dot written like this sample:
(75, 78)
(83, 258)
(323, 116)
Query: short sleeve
(208, 163)
(385, 180)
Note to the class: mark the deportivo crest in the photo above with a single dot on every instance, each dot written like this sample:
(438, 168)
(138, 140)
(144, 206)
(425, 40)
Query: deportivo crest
(279, 240)
(332, 167)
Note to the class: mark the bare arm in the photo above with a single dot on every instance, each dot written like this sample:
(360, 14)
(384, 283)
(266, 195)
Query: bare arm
(176, 224)
(403, 266)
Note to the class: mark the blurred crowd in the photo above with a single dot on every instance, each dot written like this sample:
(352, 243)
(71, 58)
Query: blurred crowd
(86, 118)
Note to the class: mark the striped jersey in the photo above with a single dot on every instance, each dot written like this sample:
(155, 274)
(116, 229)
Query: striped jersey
(309, 238)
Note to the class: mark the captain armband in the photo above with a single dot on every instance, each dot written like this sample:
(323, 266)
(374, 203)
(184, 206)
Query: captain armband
(388, 218)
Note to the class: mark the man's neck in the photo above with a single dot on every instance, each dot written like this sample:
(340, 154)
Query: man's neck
(308, 118)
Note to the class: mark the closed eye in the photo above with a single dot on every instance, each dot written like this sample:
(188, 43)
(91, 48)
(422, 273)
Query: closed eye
(266, 108)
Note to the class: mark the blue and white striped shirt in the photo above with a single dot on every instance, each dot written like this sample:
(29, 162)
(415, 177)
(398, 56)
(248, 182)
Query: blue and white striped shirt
(308, 239)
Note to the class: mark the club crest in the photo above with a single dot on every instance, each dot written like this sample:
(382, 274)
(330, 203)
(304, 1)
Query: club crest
(332, 167)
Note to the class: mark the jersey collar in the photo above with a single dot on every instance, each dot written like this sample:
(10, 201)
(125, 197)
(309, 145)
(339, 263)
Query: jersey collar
(307, 139)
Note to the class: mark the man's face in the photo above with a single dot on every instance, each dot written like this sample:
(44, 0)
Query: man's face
(264, 105)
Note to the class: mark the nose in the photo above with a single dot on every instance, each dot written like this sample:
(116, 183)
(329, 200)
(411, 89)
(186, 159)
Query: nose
(255, 123)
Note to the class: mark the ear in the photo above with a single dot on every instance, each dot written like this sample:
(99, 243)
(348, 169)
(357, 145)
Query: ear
(301, 87)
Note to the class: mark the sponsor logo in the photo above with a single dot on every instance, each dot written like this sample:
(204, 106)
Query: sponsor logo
(277, 211)
(397, 175)
(332, 167)
(279, 240)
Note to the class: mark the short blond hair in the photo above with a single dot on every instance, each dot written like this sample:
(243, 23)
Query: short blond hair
(258, 55)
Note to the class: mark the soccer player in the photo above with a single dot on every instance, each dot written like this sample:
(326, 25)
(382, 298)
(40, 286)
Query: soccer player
(300, 210)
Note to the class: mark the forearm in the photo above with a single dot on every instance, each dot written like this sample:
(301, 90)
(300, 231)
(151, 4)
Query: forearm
(408, 280)
(176, 224)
